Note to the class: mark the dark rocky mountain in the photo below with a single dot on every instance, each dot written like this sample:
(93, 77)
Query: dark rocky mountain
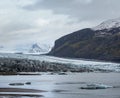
(101, 42)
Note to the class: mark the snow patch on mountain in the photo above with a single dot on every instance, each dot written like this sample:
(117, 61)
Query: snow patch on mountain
(112, 23)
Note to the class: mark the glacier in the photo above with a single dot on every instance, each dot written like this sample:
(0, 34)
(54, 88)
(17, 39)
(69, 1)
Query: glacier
(91, 64)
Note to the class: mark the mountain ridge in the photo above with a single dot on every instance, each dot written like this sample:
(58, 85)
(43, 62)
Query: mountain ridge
(88, 43)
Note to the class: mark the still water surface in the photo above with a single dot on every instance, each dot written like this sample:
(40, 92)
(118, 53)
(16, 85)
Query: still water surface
(65, 86)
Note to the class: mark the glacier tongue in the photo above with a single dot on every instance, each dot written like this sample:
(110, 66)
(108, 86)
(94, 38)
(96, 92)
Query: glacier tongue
(112, 23)
(82, 63)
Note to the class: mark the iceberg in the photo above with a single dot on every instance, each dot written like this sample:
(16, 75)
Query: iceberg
(96, 86)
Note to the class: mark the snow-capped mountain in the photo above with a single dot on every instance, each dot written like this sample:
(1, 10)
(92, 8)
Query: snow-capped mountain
(39, 48)
(26, 49)
(109, 24)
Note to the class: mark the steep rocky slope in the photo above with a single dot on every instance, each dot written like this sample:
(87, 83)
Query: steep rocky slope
(101, 42)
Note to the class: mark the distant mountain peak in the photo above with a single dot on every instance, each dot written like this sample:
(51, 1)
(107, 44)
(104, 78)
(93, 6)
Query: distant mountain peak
(34, 48)
(39, 48)
(109, 24)
(35, 45)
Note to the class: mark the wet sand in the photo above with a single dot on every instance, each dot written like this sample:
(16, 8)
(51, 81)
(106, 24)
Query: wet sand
(20, 95)
(20, 90)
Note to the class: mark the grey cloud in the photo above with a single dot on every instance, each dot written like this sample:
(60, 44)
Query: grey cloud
(24, 22)
(15, 26)
(82, 9)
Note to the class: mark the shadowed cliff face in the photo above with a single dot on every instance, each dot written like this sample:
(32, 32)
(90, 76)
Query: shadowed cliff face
(90, 44)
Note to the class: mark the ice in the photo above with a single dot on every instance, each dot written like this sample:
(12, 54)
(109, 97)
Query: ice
(91, 64)
(96, 86)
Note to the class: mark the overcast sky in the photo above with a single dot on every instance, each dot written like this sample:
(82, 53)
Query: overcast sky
(44, 21)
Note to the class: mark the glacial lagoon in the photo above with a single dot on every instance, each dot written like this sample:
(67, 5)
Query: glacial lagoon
(68, 85)
(63, 86)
